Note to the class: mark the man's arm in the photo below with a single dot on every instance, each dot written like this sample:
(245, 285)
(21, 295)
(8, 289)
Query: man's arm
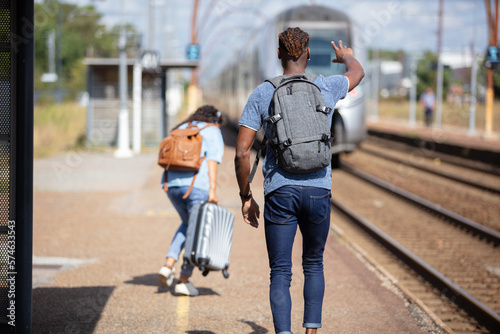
(249, 208)
(354, 70)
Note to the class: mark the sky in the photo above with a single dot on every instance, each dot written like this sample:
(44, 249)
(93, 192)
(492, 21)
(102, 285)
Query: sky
(224, 25)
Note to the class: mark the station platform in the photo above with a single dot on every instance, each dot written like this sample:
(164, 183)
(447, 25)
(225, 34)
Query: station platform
(102, 227)
(454, 141)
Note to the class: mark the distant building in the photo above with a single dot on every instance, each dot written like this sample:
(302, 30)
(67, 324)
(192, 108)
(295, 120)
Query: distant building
(391, 74)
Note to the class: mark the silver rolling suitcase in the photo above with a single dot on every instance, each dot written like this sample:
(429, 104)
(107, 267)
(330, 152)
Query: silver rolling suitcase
(209, 237)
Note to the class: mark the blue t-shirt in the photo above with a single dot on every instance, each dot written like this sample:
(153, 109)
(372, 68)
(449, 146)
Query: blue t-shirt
(258, 108)
(429, 99)
(212, 146)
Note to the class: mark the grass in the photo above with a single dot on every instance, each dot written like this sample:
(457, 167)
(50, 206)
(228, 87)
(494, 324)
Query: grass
(452, 115)
(58, 128)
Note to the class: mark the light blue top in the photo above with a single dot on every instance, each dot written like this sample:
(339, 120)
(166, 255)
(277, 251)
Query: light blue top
(212, 146)
(258, 108)
(429, 99)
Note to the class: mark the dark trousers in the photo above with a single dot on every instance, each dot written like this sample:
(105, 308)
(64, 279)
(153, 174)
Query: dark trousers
(428, 117)
(285, 209)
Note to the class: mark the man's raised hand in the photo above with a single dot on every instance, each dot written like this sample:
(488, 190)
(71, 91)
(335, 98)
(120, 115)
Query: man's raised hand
(341, 52)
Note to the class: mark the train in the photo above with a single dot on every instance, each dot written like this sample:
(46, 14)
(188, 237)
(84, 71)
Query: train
(258, 61)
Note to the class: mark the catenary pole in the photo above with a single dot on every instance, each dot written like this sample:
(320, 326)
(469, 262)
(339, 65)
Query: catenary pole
(151, 17)
(439, 79)
(123, 150)
(193, 84)
(440, 27)
(137, 103)
(413, 91)
(59, 53)
(473, 84)
(376, 81)
(439, 92)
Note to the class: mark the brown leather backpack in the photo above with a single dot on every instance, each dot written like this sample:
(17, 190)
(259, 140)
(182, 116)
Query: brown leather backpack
(181, 151)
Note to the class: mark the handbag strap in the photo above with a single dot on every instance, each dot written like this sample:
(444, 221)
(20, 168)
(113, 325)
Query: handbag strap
(165, 183)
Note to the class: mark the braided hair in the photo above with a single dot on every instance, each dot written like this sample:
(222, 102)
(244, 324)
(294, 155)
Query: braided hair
(293, 42)
(206, 113)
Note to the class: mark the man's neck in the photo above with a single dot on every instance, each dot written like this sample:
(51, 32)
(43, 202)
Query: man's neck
(293, 72)
(293, 68)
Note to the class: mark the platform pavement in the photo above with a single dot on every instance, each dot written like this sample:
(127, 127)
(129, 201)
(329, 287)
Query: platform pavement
(101, 229)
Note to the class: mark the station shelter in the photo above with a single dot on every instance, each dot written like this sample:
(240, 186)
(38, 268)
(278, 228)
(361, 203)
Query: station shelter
(104, 99)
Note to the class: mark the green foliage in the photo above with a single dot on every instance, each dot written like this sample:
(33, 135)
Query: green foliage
(388, 54)
(81, 35)
(427, 73)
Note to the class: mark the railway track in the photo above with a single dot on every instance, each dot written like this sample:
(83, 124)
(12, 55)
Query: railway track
(430, 153)
(441, 173)
(432, 251)
(402, 170)
(449, 215)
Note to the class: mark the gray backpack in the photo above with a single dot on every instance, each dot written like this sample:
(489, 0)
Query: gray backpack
(301, 135)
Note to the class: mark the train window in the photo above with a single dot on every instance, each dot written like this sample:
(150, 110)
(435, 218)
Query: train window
(320, 60)
(322, 52)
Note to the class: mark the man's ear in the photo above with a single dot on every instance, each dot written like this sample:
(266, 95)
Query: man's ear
(279, 55)
(308, 53)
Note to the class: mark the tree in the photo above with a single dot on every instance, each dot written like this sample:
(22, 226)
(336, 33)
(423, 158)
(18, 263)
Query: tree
(427, 73)
(388, 54)
(82, 34)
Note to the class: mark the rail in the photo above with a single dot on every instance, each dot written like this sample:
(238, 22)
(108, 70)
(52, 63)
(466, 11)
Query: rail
(433, 171)
(482, 313)
(461, 221)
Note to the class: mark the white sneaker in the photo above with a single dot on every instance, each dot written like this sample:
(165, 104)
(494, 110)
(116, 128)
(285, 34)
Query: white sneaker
(166, 276)
(187, 289)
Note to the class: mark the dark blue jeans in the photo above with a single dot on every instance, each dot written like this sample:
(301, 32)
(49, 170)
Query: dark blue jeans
(285, 208)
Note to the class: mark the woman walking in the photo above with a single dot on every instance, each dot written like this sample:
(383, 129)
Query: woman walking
(208, 119)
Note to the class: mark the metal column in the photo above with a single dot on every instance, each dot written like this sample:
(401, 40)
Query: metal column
(164, 114)
(16, 158)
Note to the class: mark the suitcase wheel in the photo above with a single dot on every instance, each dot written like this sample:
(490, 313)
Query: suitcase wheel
(202, 263)
(225, 273)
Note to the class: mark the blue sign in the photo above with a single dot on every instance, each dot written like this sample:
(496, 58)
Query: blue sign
(492, 57)
(193, 52)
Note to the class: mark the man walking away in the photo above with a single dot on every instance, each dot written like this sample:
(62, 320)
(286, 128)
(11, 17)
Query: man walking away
(292, 199)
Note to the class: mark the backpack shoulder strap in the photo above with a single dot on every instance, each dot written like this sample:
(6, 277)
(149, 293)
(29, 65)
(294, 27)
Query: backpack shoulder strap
(276, 81)
(257, 158)
(311, 77)
(196, 173)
